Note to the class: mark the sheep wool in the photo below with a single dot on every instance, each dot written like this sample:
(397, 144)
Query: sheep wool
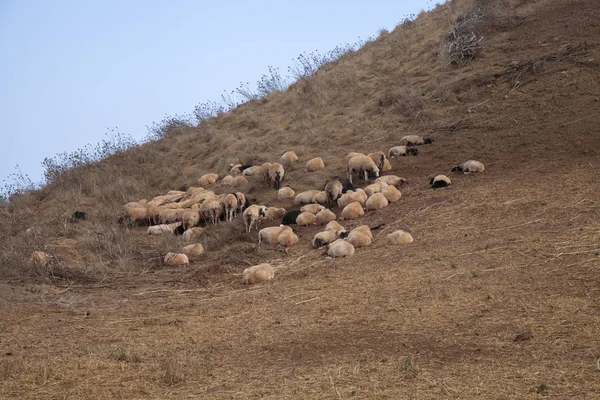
(257, 274)
(399, 237)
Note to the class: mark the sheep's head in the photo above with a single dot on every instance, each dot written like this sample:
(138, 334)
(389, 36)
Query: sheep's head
(342, 234)
(428, 140)
(262, 212)
(457, 168)
(412, 151)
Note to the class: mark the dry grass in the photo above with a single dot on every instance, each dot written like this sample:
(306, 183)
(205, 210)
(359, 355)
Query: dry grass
(496, 254)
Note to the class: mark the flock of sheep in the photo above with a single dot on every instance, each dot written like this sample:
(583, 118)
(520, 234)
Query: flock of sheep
(180, 212)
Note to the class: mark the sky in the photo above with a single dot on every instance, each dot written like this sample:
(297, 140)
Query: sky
(73, 69)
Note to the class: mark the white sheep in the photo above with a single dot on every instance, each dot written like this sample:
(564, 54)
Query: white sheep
(469, 167)
(192, 234)
(362, 164)
(387, 166)
(399, 237)
(415, 140)
(358, 238)
(315, 164)
(190, 218)
(324, 216)
(41, 258)
(235, 169)
(276, 174)
(374, 188)
(364, 229)
(269, 234)
(312, 208)
(193, 250)
(252, 171)
(163, 229)
(340, 248)
(334, 226)
(274, 213)
(230, 204)
(257, 274)
(376, 202)
(319, 198)
(212, 210)
(353, 211)
(323, 238)
(351, 155)
(305, 197)
(402, 151)
(333, 190)
(378, 158)
(351, 196)
(306, 218)
(138, 215)
(286, 238)
(227, 181)
(238, 181)
(241, 201)
(289, 158)
(176, 259)
(391, 193)
(252, 214)
(286, 193)
(208, 179)
(167, 216)
(391, 180)
(440, 181)
(264, 171)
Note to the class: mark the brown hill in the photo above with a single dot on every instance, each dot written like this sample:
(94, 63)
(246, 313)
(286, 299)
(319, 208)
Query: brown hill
(512, 250)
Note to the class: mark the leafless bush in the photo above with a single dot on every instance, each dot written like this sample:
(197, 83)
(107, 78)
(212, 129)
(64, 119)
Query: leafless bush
(463, 44)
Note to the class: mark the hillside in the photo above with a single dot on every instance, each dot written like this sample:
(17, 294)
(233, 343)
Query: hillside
(511, 250)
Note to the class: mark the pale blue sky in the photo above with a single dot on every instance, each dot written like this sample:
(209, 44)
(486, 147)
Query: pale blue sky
(72, 69)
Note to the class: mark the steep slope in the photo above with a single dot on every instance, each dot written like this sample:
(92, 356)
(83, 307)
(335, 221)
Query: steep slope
(511, 250)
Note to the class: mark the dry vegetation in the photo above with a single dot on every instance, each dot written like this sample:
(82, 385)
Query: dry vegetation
(515, 249)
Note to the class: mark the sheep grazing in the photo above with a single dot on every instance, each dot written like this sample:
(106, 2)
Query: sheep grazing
(230, 205)
(351, 196)
(252, 171)
(264, 171)
(376, 202)
(391, 180)
(137, 215)
(362, 164)
(306, 218)
(387, 166)
(440, 181)
(235, 169)
(269, 235)
(324, 238)
(290, 217)
(469, 167)
(227, 181)
(325, 216)
(176, 259)
(315, 164)
(399, 237)
(193, 250)
(353, 211)
(190, 218)
(276, 174)
(163, 229)
(402, 151)
(375, 188)
(305, 197)
(286, 193)
(340, 248)
(391, 193)
(415, 140)
(320, 198)
(289, 158)
(334, 226)
(252, 214)
(359, 238)
(212, 210)
(346, 186)
(364, 229)
(41, 258)
(208, 179)
(257, 274)
(168, 216)
(192, 234)
(273, 213)
(286, 238)
(351, 155)
(238, 181)
(333, 190)
(378, 158)
(241, 201)
(312, 208)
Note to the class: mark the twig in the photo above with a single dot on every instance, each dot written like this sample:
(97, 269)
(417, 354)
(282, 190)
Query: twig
(481, 251)
(333, 385)
(306, 301)
(579, 120)
(477, 105)
(513, 226)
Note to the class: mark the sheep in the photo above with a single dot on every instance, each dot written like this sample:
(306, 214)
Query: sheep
(399, 237)
(252, 214)
(289, 158)
(340, 248)
(286, 193)
(273, 213)
(334, 226)
(192, 234)
(193, 250)
(192, 190)
(312, 208)
(353, 210)
(230, 205)
(290, 217)
(364, 229)
(176, 259)
(324, 238)
(257, 274)
(41, 258)
(306, 218)
(359, 238)
(351, 196)
(167, 216)
(375, 188)
(238, 181)
(227, 181)
(269, 234)
(378, 158)
(235, 169)
(315, 164)
(305, 197)
(387, 166)
(276, 174)
(163, 229)
(132, 204)
(252, 171)
(190, 218)
(469, 166)
(376, 202)
(241, 201)
(208, 179)
(351, 155)
(362, 164)
(415, 140)
(138, 215)
(325, 216)
(391, 193)
(319, 198)
(346, 186)
(333, 189)
(402, 151)
(286, 238)
(212, 210)
(264, 171)
(440, 181)
(391, 180)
